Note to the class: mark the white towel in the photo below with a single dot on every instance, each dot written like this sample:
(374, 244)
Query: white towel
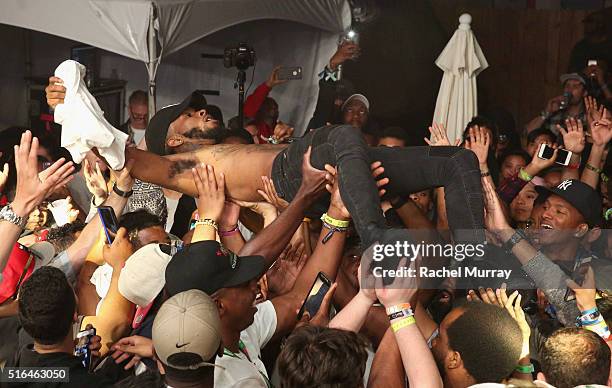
(82, 120)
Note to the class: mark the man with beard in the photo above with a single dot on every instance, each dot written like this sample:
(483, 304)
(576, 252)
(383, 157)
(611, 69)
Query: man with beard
(188, 128)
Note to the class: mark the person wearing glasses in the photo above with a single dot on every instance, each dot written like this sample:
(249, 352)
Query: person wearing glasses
(138, 109)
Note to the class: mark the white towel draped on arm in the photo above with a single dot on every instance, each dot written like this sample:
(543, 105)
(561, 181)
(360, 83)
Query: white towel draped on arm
(82, 120)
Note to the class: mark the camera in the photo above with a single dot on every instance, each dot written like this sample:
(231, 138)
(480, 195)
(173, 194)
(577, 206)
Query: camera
(241, 57)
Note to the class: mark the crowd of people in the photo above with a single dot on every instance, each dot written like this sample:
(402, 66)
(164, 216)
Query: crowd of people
(251, 257)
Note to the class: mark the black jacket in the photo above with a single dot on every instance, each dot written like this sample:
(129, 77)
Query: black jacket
(78, 375)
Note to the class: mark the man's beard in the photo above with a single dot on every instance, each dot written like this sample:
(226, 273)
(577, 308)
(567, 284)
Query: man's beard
(215, 133)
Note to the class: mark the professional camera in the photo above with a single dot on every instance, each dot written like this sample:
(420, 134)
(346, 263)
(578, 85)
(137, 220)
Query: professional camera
(241, 57)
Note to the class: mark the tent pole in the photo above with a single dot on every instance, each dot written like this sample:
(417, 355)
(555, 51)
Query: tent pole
(151, 67)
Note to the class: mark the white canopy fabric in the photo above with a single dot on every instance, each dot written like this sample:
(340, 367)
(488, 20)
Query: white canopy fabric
(138, 28)
(461, 60)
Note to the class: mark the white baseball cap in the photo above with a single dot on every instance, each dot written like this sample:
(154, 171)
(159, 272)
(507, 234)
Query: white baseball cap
(143, 276)
(358, 97)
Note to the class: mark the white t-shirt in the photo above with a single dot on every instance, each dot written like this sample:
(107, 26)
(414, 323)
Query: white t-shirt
(138, 134)
(101, 279)
(239, 371)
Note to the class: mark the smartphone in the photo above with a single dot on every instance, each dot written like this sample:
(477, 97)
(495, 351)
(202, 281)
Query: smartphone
(109, 221)
(578, 276)
(290, 73)
(563, 156)
(81, 349)
(350, 36)
(315, 296)
(592, 62)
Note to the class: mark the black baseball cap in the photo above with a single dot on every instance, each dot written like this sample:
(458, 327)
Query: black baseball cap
(580, 195)
(157, 129)
(208, 266)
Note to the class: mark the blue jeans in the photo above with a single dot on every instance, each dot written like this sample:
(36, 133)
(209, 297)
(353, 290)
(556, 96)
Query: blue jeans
(409, 169)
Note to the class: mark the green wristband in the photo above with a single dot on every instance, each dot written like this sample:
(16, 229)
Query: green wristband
(525, 368)
(524, 176)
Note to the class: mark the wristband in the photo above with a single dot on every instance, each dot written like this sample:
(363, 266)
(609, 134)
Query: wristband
(334, 222)
(593, 168)
(396, 326)
(208, 222)
(513, 240)
(121, 193)
(401, 314)
(231, 232)
(398, 307)
(604, 177)
(525, 368)
(485, 174)
(523, 175)
(332, 230)
(589, 311)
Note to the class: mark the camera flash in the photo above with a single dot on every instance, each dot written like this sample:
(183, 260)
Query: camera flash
(350, 34)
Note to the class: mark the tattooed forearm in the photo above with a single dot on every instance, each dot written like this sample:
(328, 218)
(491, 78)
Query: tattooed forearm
(179, 166)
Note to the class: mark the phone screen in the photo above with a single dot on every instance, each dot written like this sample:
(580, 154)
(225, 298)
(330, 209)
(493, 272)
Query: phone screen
(547, 153)
(313, 300)
(109, 221)
(81, 349)
(290, 73)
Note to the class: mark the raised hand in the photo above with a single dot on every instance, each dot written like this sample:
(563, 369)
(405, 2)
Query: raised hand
(439, 136)
(593, 111)
(538, 164)
(95, 181)
(377, 170)
(514, 308)
(479, 143)
(573, 138)
(273, 80)
(313, 180)
(285, 270)
(601, 131)
(270, 195)
(32, 186)
(346, 50)
(55, 91)
(282, 132)
(495, 219)
(211, 192)
(487, 295)
(119, 251)
(334, 190)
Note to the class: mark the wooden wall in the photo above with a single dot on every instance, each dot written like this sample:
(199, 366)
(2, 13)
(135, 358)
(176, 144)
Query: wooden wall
(527, 51)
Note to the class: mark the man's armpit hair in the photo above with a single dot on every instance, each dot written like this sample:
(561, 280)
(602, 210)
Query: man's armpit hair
(179, 166)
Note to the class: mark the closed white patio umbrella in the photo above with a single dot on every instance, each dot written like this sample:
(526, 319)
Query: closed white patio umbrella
(461, 60)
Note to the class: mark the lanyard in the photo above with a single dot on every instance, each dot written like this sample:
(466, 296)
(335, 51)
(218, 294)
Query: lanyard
(243, 349)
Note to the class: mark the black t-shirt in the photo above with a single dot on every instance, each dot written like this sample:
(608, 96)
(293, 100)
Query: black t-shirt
(78, 375)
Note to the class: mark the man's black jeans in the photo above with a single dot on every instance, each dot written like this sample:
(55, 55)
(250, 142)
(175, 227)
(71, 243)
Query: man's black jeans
(409, 169)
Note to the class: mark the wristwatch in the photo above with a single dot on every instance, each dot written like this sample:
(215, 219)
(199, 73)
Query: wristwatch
(512, 241)
(7, 214)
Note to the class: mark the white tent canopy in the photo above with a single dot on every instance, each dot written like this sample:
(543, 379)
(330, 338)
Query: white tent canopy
(137, 28)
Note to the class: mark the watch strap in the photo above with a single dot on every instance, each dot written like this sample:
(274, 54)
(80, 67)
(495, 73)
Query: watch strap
(513, 240)
(121, 193)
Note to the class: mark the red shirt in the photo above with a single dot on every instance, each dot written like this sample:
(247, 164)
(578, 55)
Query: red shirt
(251, 106)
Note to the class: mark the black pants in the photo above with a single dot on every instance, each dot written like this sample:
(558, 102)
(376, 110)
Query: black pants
(409, 169)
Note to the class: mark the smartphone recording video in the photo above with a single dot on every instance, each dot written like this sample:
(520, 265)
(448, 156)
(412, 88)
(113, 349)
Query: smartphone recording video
(313, 300)
(563, 156)
(290, 73)
(109, 222)
(82, 350)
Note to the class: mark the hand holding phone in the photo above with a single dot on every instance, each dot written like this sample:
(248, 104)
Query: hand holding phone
(109, 222)
(563, 156)
(315, 296)
(82, 349)
(289, 73)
